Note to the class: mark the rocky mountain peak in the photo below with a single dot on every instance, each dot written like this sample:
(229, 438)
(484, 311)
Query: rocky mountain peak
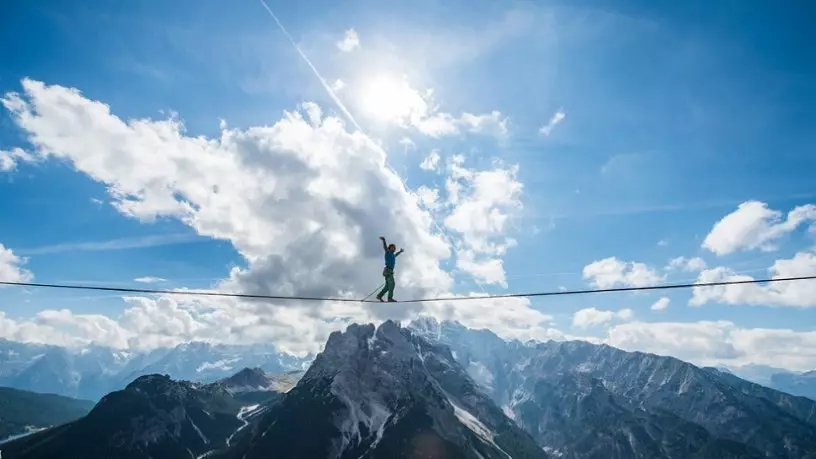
(249, 377)
(374, 392)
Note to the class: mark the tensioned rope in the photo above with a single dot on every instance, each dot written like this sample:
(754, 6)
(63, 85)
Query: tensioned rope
(422, 300)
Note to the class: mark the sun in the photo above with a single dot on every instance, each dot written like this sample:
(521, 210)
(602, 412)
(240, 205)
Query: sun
(389, 99)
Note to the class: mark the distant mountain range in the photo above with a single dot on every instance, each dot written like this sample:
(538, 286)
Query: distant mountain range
(584, 400)
(803, 384)
(92, 372)
(441, 390)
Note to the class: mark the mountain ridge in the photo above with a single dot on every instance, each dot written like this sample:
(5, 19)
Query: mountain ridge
(22, 411)
(726, 406)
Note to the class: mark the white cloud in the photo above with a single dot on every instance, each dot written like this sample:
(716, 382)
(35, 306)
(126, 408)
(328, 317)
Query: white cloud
(719, 342)
(9, 158)
(661, 304)
(683, 340)
(428, 197)
(799, 294)
(11, 267)
(393, 100)
(556, 118)
(687, 264)
(491, 123)
(407, 143)
(589, 317)
(488, 270)
(611, 272)
(336, 86)
(625, 314)
(662, 243)
(431, 162)
(350, 41)
(483, 204)
(478, 207)
(149, 280)
(754, 226)
(294, 200)
(510, 318)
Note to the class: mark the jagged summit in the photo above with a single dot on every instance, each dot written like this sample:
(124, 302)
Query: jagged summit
(385, 392)
(257, 380)
(248, 377)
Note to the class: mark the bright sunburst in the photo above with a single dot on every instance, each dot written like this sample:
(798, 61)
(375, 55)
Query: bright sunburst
(390, 99)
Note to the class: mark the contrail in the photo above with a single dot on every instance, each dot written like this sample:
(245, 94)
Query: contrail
(350, 117)
(326, 86)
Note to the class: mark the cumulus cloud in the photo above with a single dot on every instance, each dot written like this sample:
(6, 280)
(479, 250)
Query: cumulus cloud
(431, 162)
(488, 270)
(302, 201)
(798, 294)
(611, 272)
(428, 197)
(556, 118)
(719, 342)
(350, 41)
(589, 317)
(9, 158)
(661, 304)
(482, 205)
(687, 341)
(687, 264)
(755, 226)
(520, 321)
(492, 123)
(11, 267)
(338, 85)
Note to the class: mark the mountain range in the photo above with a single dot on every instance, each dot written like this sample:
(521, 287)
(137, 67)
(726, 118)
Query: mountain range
(92, 372)
(438, 389)
(585, 400)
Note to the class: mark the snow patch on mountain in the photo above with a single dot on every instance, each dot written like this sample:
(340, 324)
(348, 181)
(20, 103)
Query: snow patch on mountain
(243, 413)
(476, 426)
(368, 412)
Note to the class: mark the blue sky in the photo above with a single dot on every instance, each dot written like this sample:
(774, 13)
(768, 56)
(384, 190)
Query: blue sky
(673, 116)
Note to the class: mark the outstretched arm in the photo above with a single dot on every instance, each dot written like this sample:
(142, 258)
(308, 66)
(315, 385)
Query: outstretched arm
(400, 251)
(385, 246)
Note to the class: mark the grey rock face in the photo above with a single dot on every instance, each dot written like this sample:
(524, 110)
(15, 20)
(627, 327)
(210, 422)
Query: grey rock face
(153, 416)
(385, 392)
(583, 400)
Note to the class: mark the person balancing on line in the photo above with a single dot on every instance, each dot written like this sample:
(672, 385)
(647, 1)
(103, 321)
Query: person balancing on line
(390, 261)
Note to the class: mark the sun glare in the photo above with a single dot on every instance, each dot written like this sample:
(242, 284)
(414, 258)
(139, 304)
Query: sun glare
(390, 99)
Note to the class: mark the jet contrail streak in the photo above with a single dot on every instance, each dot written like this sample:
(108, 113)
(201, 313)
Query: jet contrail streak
(326, 86)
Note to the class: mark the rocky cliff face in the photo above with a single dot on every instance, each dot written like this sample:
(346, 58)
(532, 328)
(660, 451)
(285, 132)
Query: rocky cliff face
(584, 400)
(385, 392)
(153, 417)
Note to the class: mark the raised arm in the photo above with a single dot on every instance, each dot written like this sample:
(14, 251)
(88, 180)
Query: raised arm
(385, 246)
(400, 251)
